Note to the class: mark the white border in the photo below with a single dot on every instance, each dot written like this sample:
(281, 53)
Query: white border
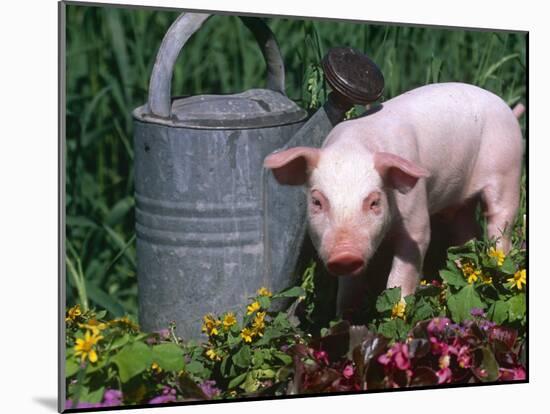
(28, 181)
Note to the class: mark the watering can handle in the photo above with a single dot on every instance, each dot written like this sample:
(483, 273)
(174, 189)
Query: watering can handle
(160, 85)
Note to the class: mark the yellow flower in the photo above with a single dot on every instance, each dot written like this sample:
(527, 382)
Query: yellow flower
(264, 292)
(85, 347)
(486, 278)
(210, 325)
(229, 320)
(155, 367)
(423, 282)
(253, 307)
(498, 255)
(470, 272)
(73, 313)
(519, 279)
(259, 323)
(213, 355)
(247, 334)
(444, 361)
(125, 322)
(398, 310)
(93, 325)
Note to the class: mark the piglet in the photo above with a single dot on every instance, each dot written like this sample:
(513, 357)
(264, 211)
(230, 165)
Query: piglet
(436, 149)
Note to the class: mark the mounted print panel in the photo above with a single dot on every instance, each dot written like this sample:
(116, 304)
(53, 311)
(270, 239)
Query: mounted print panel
(261, 207)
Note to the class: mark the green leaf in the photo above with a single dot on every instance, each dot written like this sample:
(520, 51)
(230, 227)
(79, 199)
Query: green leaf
(270, 333)
(265, 373)
(243, 357)
(402, 328)
(265, 302)
(508, 266)
(293, 292)
(237, 380)
(516, 311)
(258, 358)
(119, 210)
(233, 340)
(251, 382)
(120, 243)
(469, 246)
(194, 367)
(120, 341)
(285, 359)
(394, 329)
(96, 367)
(281, 320)
(103, 299)
(132, 360)
(452, 257)
(488, 367)
(495, 66)
(168, 356)
(460, 304)
(453, 278)
(79, 221)
(436, 68)
(498, 312)
(71, 367)
(224, 367)
(388, 299)
(423, 310)
(410, 300)
(101, 314)
(94, 396)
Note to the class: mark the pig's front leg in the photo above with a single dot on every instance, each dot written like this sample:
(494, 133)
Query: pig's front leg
(411, 240)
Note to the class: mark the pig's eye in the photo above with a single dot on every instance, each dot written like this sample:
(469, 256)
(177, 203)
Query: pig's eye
(318, 201)
(373, 203)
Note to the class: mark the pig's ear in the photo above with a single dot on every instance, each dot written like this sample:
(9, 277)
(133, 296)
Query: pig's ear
(292, 166)
(398, 172)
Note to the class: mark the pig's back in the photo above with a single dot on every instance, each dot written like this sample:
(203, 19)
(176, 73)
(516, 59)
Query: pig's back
(458, 132)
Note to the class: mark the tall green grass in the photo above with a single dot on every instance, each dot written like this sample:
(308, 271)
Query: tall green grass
(110, 53)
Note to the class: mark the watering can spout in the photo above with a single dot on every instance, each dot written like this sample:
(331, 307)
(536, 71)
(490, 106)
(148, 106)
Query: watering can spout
(354, 79)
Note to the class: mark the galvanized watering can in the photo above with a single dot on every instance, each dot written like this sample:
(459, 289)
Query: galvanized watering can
(212, 225)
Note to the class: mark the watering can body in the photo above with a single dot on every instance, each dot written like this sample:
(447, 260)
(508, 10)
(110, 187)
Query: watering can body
(212, 224)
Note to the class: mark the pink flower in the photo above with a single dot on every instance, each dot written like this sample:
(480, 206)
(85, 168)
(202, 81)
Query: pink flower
(321, 356)
(463, 357)
(513, 374)
(397, 356)
(348, 371)
(444, 375)
(209, 388)
(168, 395)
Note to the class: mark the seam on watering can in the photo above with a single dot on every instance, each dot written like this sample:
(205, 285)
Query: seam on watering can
(179, 208)
(192, 223)
(195, 240)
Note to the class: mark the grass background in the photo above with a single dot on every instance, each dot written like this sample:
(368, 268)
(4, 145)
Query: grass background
(110, 53)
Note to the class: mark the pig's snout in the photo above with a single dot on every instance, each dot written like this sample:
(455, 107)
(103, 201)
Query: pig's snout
(345, 263)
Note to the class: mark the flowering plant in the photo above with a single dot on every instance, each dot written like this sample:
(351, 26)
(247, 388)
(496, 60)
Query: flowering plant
(467, 326)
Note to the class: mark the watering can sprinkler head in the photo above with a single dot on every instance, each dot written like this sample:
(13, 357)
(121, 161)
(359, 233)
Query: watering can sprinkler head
(354, 79)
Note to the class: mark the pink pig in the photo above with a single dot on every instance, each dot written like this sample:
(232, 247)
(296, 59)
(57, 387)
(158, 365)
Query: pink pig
(436, 149)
